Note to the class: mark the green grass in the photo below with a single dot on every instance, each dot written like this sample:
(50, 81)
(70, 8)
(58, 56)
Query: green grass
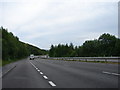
(4, 62)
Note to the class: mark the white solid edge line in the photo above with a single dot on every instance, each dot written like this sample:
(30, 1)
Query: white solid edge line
(7, 71)
(45, 77)
(51, 83)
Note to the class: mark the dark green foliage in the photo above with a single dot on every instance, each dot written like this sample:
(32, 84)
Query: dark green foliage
(105, 45)
(13, 49)
(116, 51)
(62, 50)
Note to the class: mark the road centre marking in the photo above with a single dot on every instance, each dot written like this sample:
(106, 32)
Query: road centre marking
(41, 73)
(51, 83)
(111, 73)
(38, 70)
(45, 77)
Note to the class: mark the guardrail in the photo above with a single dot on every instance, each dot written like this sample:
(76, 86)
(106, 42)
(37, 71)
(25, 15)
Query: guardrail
(106, 59)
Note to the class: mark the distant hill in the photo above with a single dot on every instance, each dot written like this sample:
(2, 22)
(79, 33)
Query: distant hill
(13, 48)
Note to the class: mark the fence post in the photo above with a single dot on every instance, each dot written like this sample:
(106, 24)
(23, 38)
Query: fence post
(106, 60)
(94, 60)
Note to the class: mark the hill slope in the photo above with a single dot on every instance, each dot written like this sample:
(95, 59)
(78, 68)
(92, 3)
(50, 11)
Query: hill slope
(13, 48)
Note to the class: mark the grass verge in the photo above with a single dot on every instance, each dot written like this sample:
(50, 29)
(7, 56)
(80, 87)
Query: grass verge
(4, 62)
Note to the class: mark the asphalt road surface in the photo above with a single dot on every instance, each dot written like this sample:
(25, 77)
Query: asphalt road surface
(43, 73)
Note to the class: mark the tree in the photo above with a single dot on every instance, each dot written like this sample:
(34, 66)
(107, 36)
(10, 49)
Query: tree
(105, 45)
(51, 51)
(116, 51)
(13, 49)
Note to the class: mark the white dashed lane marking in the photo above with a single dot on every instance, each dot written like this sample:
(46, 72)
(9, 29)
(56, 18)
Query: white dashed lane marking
(45, 77)
(51, 83)
(38, 70)
(41, 73)
(111, 73)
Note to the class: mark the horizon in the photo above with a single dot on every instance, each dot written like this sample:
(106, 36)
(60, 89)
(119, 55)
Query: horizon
(58, 43)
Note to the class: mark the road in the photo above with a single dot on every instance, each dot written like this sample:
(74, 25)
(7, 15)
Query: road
(43, 73)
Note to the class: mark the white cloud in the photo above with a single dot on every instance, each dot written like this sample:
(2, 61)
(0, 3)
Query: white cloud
(32, 20)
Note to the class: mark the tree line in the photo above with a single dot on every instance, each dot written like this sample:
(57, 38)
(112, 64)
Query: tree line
(105, 45)
(13, 48)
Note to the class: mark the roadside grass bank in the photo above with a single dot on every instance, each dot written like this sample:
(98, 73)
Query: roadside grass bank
(5, 62)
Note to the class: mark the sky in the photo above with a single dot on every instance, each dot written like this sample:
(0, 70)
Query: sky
(46, 22)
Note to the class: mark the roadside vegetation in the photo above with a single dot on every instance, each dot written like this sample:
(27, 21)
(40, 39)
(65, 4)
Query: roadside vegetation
(13, 49)
(106, 45)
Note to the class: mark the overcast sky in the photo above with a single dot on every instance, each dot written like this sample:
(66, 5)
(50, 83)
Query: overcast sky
(45, 22)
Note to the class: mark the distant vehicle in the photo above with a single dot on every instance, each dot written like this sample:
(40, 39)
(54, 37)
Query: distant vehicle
(32, 57)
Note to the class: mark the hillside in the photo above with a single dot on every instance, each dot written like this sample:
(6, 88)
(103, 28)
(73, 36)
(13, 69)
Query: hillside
(13, 48)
